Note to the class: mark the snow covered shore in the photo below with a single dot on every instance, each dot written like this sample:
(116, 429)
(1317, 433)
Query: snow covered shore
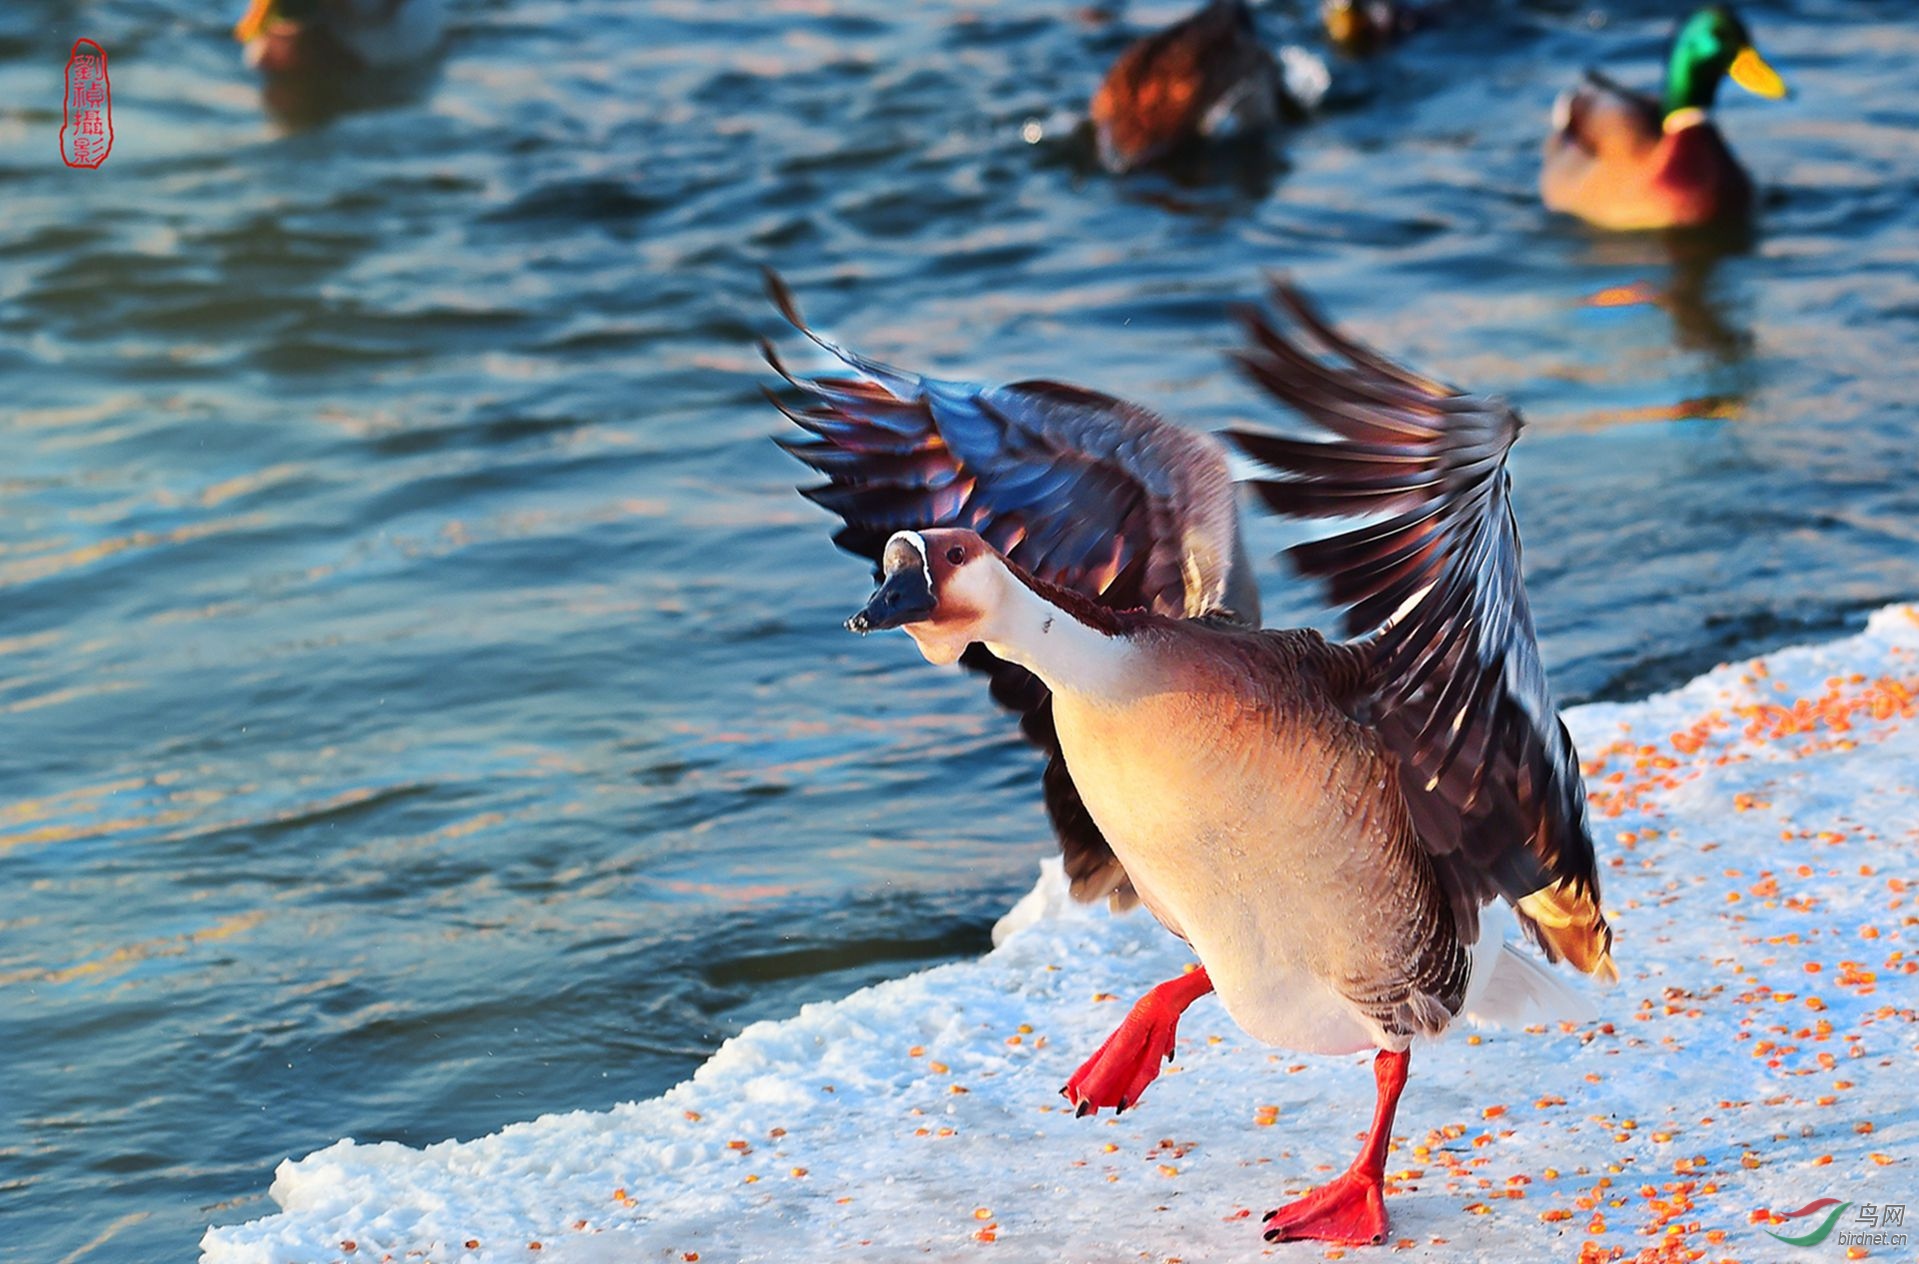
(1759, 829)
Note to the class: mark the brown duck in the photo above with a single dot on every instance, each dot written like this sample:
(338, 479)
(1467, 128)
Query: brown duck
(1206, 77)
(1624, 160)
(1323, 822)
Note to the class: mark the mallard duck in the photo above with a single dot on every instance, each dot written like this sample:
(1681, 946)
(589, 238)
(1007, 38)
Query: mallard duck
(292, 36)
(1323, 822)
(1206, 77)
(1624, 160)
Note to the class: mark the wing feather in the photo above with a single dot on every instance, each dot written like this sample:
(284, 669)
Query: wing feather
(1081, 489)
(1435, 589)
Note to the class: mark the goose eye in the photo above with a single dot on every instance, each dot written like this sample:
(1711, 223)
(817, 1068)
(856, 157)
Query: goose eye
(955, 555)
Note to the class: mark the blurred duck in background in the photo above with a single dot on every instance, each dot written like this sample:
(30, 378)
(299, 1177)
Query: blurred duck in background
(1205, 78)
(290, 37)
(1626, 160)
(1360, 28)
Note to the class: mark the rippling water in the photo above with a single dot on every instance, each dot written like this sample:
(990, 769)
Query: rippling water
(424, 698)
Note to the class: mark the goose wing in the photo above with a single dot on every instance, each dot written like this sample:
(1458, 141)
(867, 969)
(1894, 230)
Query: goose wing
(1456, 687)
(1084, 490)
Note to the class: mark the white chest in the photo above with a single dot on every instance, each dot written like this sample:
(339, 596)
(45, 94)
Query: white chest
(1218, 840)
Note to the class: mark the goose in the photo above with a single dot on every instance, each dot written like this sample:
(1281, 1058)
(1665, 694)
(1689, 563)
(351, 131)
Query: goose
(305, 36)
(1620, 159)
(1205, 77)
(1323, 822)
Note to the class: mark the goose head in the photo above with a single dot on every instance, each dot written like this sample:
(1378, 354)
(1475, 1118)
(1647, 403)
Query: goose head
(944, 587)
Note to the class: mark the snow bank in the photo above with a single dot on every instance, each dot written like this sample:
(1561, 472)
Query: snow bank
(1759, 827)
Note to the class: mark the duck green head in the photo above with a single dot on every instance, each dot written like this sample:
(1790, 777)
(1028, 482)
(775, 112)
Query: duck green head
(1711, 45)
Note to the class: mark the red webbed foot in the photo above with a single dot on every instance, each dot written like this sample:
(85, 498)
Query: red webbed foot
(1128, 1061)
(1131, 1057)
(1350, 1210)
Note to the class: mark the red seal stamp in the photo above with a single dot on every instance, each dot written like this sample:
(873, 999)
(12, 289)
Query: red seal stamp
(86, 126)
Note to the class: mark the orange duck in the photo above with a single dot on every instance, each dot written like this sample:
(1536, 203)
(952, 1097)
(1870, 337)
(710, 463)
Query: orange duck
(1624, 160)
(1360, 28)
(290, 37)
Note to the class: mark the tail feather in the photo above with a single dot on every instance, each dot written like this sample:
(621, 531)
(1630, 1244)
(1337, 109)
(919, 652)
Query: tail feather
(1515, 990)
(1566, 920)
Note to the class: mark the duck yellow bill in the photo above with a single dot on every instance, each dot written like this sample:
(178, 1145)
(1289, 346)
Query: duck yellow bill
(1750, 71)
(249, 27)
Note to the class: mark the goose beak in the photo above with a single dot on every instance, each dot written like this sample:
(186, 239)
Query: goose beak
(1750, 71)
(904, 597)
